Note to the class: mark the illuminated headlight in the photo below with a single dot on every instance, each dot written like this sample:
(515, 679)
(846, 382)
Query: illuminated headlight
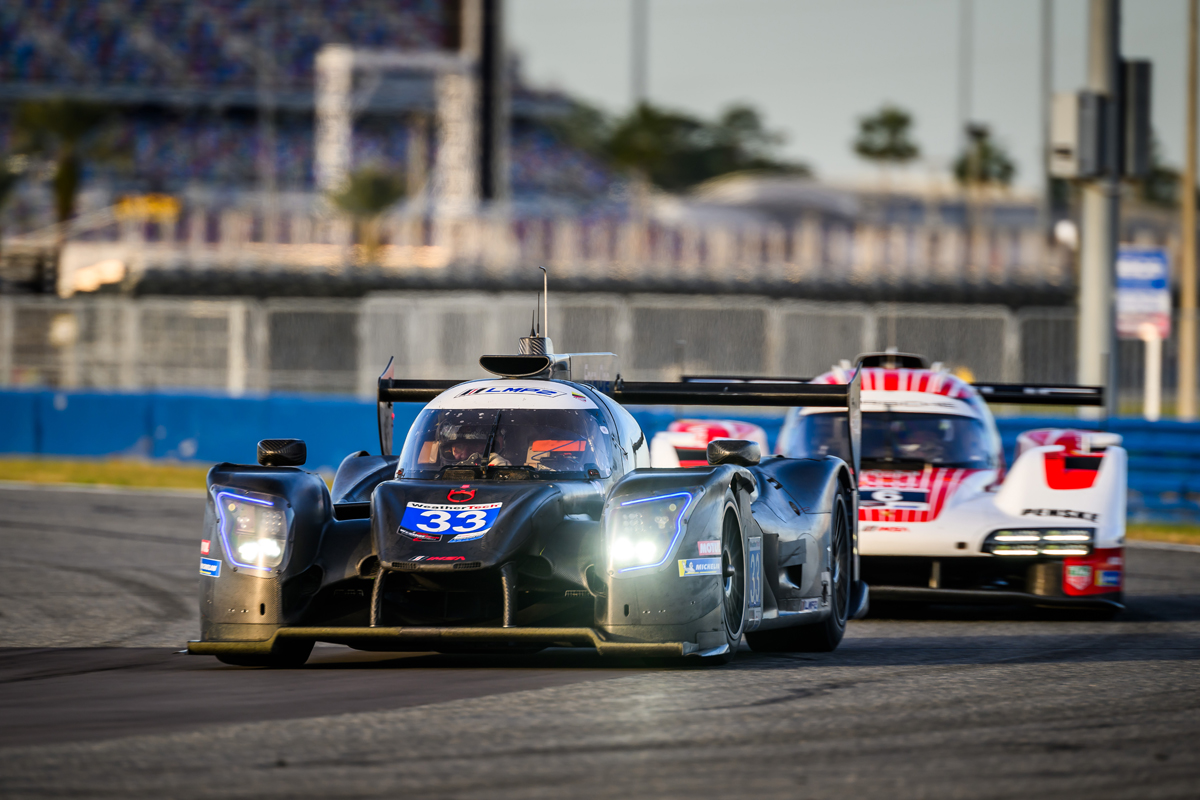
(642, 533)
(254, 528)
(1041, 542)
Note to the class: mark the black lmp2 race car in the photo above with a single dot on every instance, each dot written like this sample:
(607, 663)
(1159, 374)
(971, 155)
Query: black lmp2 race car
(521, 513)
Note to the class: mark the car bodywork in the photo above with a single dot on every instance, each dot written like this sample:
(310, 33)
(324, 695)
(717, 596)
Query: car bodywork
(504, 555)
(685, 441)
(946, 522)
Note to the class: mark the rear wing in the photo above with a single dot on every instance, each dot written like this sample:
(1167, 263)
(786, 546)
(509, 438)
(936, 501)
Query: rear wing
(1037, 394)
(773, 392)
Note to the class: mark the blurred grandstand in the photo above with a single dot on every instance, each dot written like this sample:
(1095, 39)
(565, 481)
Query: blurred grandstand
(214, 106)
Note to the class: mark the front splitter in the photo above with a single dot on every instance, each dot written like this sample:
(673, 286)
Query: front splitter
(428, 638)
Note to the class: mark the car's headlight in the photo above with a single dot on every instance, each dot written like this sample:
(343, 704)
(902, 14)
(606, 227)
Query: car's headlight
(642, 533)
(254, 528)
(1040, 542)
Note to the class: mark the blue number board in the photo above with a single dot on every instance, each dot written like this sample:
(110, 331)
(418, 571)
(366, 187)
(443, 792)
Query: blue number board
(450, 523)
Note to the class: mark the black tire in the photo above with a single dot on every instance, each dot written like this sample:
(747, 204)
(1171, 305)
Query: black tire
(824, 636)
(289, 654)
(733, 582)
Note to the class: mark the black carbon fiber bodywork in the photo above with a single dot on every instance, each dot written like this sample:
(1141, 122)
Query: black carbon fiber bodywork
(542, 573)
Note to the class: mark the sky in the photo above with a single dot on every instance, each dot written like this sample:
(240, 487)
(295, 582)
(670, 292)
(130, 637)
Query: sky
(814, 67)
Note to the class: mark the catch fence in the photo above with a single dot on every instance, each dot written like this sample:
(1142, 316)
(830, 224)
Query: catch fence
(242, 346)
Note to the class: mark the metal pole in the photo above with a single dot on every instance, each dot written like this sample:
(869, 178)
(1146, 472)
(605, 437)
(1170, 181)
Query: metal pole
(965, 35)
(267, 148)
(1096, 344)
(1186, 399)
(1152, 389)
(1047, 99)
(640, 50)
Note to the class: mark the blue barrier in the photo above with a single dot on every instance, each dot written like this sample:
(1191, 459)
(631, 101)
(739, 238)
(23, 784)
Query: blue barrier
(1164, 457)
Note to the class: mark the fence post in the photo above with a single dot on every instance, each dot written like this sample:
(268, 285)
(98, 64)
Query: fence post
(1011, 365)
(129, 358)
(235, 381)
(8, 328)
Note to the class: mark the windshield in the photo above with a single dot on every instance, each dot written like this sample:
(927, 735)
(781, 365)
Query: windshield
(562, 443)
(894, 439)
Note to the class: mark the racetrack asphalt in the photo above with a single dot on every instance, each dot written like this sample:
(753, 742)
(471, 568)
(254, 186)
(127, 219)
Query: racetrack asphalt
(98, 593)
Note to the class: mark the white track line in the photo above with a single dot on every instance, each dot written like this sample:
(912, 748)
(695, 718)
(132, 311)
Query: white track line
(1182, 548)
(98, 488)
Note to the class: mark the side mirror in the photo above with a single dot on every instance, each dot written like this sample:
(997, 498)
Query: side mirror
(741, 452)
(282, 452)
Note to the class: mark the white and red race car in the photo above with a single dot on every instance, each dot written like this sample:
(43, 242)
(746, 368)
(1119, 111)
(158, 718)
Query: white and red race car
(685, 441)
(940, 518)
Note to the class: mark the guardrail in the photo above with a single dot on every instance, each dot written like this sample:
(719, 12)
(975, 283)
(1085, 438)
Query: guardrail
(1164, 457)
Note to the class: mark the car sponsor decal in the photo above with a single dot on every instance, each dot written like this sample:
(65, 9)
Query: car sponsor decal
(210, 567)
(1078, 576)
(417, 536)
(812, 604)
(510, 393)
(711, 547)
(937, 484)
(540, 391)
(451, 523)
(699, 566)
(1108, 577)
(1060, 512)
(205, 546)
(754, 579)
(900, 499)
(438, 558)
(463, 494)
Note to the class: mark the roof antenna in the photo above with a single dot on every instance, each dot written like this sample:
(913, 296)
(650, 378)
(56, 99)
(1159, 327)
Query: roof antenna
(545, 302)
(537, 342)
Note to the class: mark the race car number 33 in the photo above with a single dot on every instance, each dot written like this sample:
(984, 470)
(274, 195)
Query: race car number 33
(452, 523)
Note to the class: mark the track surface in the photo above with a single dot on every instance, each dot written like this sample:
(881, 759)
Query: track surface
(97, 592)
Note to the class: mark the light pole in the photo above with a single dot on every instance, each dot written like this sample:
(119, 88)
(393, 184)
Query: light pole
(639, 46)
(1096, 350)
(1186, 398)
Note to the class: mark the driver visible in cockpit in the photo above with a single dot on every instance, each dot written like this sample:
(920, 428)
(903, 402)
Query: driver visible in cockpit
(467, 450)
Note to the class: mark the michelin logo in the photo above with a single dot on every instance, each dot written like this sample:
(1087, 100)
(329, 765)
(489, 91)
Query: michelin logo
(699, 566)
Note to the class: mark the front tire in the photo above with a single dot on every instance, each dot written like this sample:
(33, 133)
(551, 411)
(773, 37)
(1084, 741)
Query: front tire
(824, 636)
(733, 583)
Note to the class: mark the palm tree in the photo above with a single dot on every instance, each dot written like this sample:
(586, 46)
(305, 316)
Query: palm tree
(65, 132)
(883, 137)
(367, 194)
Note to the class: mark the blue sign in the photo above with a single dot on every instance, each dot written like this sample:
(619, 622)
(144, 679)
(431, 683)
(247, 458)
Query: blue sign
(452, 523)
(1143, 292)
(210, 567)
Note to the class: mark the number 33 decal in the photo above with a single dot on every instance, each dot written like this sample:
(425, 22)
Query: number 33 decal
(439, 521)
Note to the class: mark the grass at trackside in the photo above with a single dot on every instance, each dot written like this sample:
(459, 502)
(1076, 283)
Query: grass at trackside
(141, 474)
(1176, 533)
(159, 475)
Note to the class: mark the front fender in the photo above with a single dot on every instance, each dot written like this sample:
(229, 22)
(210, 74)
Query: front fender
(658, 602)
(249, 604)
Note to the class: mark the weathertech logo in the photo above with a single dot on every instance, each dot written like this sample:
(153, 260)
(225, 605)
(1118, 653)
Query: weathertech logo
(1060, 512)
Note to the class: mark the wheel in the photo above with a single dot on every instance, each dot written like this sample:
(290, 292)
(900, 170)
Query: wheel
(824, 636)
(733, 582)
(289, 653)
